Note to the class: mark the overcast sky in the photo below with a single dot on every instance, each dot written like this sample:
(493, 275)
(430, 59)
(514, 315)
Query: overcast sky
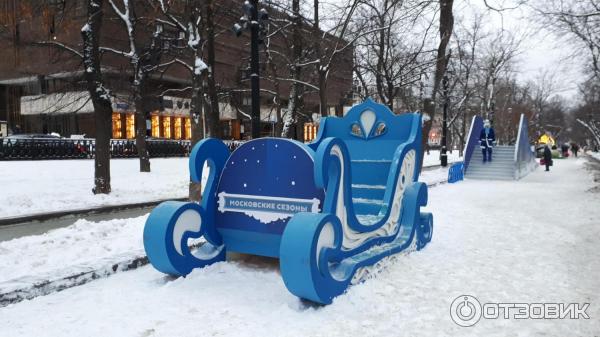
(541, 49)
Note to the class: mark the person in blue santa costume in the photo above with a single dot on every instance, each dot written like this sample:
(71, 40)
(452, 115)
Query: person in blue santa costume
(487, 139)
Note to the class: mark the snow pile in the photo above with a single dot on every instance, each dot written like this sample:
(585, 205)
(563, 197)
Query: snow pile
(30, 187)
(68, 251)
(435, 176)
(433, 158)
(534, 240)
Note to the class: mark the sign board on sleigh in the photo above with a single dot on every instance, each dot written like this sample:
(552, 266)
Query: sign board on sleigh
(263, 184)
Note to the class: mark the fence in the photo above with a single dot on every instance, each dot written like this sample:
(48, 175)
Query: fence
(456, 172)
(44, 148)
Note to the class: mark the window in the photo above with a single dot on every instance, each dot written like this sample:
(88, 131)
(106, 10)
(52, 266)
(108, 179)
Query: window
(310, 131)
(155, 121)
(188, 128)
(130, 126)
(166, 126)
(116, 126)
(226, 128)
(177, 127)
(332, 111)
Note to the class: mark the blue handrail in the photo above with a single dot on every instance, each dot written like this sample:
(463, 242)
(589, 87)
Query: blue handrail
(472, 140)
(524, 157)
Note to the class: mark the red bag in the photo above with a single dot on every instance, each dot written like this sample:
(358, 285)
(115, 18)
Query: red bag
(542, 161)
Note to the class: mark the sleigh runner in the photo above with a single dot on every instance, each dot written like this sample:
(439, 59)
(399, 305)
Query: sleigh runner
(328, 210)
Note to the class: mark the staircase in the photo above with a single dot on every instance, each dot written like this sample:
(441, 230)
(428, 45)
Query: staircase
(502, 166)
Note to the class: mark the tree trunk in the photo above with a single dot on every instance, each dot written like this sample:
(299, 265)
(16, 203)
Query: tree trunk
(99, 95)
(446, 26)
(140, 123)
(323, 93)
(290, 117)
(289, 120)
(138, 88)
(213, 128)
(196, 113)
(278, 127)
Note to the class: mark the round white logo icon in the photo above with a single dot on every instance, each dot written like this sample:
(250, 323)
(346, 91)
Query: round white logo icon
(465, 310)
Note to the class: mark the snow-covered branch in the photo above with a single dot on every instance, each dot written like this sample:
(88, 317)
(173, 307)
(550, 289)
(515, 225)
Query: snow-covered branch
(126, 18)
(61, 46)
(249, 90)
(175, 90)
(594, 131)
(298, 81)
(115, 51)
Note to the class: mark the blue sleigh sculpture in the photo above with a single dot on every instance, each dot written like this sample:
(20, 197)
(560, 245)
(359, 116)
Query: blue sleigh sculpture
(328, 210)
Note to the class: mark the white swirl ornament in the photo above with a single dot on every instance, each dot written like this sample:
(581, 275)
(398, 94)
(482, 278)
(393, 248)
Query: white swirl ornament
(353, 239)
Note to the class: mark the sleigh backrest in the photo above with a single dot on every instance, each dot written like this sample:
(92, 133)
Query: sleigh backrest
(372, 134)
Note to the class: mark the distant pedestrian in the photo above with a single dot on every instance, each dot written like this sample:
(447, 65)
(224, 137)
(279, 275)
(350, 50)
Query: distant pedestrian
(575, 149)
(17, 130)
(487, 140)
(547, 157)
(565, 150)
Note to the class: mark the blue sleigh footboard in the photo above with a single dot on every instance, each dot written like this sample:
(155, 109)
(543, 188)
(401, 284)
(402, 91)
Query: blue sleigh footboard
(328, 210)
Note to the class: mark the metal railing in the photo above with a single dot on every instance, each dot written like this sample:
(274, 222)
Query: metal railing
(524, 157)
(456, 172)
(62, 148)
(472, 140)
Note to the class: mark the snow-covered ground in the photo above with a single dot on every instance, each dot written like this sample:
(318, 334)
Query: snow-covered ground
(534, 240)
(86, 246)
(433, 158)
(68, 251)
(31, 187)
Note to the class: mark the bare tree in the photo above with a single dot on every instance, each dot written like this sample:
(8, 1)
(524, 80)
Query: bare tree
(579, 22)
(587, 114)
(329, 44)
(498, 53)
(99, 95)
(90, 55)
(393, 55)
(467, 40)
(295, 68)
(196, 24)
(446, 25)
(143, 55)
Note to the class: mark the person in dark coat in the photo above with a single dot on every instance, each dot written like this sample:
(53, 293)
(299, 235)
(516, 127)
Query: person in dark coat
(565, 150)
(575, 148)
(487, 139)
(547, 157)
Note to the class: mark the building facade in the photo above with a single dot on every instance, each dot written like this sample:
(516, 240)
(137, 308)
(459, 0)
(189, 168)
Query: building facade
(42, 88)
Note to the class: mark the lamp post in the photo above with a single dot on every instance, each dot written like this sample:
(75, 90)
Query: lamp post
(253, 20)
(444, 155)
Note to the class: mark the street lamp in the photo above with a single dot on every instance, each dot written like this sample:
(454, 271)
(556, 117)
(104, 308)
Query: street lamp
(255, 21)
(444, 155)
